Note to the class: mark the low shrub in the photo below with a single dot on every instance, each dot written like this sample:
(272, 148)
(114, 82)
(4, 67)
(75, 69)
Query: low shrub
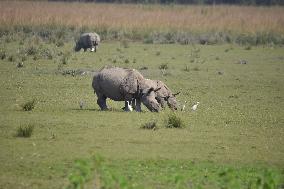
(126, 61)
(174, 121)
(29, 106)
(25, 131)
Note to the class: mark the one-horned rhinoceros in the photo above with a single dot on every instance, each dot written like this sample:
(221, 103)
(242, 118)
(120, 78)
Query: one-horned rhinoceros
(128, 85)
(88, 40)
(121, 84)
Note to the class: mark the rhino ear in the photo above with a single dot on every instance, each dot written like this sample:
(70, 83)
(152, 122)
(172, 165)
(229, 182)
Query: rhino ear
(157, 89)
(176, 94)
(150, 90)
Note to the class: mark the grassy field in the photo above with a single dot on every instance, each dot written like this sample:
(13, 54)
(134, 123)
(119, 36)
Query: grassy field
(233, 140)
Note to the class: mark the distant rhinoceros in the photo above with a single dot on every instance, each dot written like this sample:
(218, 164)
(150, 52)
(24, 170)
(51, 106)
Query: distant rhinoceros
(88, 40)
(121, 84)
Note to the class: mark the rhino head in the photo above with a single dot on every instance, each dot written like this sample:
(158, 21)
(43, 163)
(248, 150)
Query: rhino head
(148, 98)
(170, 100)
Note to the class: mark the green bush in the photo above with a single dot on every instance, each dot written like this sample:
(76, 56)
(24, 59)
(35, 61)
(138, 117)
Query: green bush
(25, 131)
(81, 173)
(174, 121)
(86, 169)
(266, 180)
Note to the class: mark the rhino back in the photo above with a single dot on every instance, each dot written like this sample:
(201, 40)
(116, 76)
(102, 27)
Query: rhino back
(163, 92)
(85, 40)
(108, 82)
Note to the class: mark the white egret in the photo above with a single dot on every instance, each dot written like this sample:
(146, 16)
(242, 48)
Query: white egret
(194, 107)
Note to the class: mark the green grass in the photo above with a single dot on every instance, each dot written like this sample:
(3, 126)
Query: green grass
(233, 139)
(25, 131)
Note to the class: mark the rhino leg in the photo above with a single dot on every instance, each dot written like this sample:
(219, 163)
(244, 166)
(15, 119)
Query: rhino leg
(102, 102)
(137, 105)
(85, 49)
(133, 103)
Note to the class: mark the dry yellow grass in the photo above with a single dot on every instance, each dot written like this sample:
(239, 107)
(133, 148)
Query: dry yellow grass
(240, 19)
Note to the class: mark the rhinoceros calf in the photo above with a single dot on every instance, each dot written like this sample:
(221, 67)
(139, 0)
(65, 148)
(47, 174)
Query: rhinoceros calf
(88, 40)
(121, 84)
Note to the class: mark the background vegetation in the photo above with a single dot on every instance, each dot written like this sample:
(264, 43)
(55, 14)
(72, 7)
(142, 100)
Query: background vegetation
(148, 23)
(210, 2)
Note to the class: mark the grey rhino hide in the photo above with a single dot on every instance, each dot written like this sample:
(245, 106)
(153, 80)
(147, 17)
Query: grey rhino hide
(163, 94)
(121, 84)
(87, 40)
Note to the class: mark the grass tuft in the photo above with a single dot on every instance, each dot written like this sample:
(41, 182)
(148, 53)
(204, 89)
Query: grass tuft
(3, 54)
(186, 68)
(12, 58)
(150, 125)
(25, 131)
(29, 106)
(163, 67)
(174, 121)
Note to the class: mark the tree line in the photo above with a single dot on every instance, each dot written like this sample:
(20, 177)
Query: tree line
(193, 2)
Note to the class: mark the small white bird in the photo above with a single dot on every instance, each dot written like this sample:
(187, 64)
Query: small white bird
(183, 106)
(194, 107)
(129, 106)
(81, 103)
